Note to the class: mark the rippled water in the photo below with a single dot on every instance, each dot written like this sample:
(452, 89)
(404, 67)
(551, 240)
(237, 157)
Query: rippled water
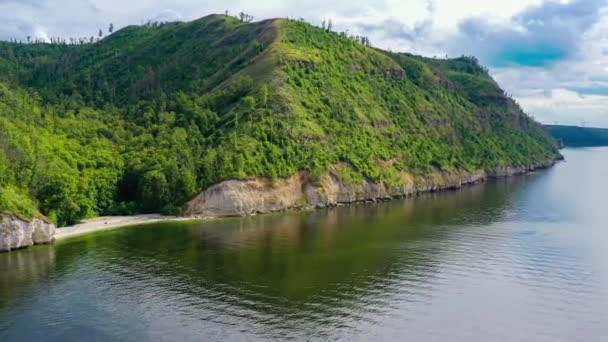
(521, 259)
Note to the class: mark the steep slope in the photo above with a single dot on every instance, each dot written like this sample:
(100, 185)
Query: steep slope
(61, 161)
(176, 108)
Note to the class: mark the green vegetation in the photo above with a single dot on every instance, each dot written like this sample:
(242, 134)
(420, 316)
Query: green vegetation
(149, 116)
(579, 136)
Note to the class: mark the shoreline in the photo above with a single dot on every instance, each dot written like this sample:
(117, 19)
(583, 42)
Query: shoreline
(260, 195)
(105, 223)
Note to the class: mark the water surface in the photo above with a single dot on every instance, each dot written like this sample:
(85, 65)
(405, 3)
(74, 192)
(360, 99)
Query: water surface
(519, 259)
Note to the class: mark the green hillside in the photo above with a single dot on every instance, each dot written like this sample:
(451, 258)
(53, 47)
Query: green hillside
(579, 136)
(148, 117)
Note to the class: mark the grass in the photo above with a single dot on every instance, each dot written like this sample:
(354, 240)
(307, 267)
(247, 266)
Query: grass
(13, 201)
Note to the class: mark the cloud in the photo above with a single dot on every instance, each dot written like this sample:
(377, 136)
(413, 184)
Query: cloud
(570, 90)
(540, 35)
(43, 18)
(393, 28)
(167, 15)
(39, 32)
(565, 106)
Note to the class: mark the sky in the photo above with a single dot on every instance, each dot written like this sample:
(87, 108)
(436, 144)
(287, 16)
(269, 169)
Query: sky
(550, 55)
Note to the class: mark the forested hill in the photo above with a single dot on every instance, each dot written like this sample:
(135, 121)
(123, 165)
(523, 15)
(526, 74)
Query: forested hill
(579, 136)
(146, 118)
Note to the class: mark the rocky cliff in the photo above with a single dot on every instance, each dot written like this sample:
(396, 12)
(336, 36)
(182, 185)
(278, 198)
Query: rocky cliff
(18, 233)
(301, 191)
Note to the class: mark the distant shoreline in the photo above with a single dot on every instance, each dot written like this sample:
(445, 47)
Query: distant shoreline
(113, 222)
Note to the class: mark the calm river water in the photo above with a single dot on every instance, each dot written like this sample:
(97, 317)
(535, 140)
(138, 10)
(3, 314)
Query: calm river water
(520, 259)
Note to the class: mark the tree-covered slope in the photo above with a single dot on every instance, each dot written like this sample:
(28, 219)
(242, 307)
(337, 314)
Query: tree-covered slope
(151, 115)
(61, 161)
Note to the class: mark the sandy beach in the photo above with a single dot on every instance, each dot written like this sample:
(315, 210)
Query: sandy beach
(107, 223)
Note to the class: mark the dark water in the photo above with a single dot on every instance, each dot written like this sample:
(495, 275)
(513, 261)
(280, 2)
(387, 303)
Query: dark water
(522, 259)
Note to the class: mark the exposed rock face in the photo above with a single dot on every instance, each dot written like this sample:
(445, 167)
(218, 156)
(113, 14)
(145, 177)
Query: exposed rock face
(512, 171)
(255, 196)
(246, 197)
(18, 233)
(394, 74)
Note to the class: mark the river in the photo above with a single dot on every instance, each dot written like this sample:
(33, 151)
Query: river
(518, 259)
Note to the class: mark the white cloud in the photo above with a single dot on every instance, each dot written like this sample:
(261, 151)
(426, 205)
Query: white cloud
(79, 17)
(570, 91)
(168, 15)
(567, 107)
(39, 32)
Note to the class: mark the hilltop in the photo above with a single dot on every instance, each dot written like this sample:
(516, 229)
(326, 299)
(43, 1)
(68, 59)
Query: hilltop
(150, 116)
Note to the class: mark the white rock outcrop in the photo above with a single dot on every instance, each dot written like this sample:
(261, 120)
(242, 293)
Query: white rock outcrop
(261, 195)
(18, 233)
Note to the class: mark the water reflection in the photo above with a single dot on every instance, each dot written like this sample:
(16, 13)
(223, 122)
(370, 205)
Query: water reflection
(485, 262)
(20, 271)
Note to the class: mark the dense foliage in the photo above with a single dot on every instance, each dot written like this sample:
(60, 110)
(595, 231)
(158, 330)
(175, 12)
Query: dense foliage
(149, 116)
